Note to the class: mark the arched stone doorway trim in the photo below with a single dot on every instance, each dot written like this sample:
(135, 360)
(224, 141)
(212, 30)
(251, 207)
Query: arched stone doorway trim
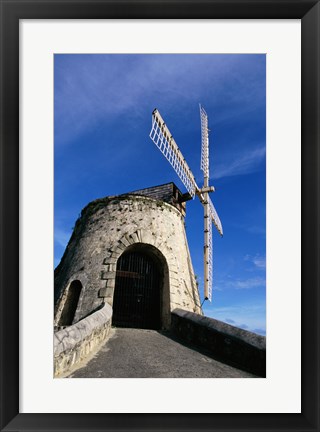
(160, 249)
(138, 297)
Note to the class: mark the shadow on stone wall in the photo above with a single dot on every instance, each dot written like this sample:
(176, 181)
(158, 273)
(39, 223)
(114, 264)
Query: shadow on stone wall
(226, 343)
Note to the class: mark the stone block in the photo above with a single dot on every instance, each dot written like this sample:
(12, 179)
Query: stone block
(103, 292)
(110, 260)
(110, 283)
(139, 235)
(129, 239)
(109, 292)
(125, 241)
(113, 267)
(105, 275)
(120, 247)
(135, 237)
(116, 254)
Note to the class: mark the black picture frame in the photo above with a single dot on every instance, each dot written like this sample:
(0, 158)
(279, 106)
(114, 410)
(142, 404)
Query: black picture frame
(11, 12)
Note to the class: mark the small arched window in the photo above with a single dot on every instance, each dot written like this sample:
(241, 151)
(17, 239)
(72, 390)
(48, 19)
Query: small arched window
(71, 303)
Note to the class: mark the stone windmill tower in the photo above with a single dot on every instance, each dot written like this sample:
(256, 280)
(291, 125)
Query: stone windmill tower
(129, 251)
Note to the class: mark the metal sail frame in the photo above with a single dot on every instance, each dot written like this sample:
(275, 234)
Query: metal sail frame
(207, 259)
(162, 138)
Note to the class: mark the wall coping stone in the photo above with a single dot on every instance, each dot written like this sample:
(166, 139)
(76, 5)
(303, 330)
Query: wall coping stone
(68, 337)
(228, 330)
(229, 344)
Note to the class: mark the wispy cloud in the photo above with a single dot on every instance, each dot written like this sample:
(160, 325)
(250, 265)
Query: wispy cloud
(244, 326)
(258, 261)
(248, 317)
(241, 283)
(91, 88)
(250, 283)
(241, 164)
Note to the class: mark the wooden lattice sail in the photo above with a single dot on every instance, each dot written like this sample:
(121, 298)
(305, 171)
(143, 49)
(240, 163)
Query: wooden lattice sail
(163, 139)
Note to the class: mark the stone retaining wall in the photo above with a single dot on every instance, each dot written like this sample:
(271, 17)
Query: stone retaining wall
(74, 343)
(227, 343)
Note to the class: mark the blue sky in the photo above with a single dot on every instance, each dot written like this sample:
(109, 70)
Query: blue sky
(102, 119)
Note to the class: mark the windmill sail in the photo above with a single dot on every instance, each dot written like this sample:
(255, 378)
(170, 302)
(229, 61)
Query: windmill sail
(214, 216)
(207, 256)
(163, 139)
(210, 214)
(210, 262)
(204, 142)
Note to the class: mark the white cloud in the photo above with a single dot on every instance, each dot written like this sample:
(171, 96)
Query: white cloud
(245, 163)
(93, 88)
(249, 283)
(249, 317)
(258, 261)
(242, 283)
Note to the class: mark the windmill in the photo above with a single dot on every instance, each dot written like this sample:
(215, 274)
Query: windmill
(163, 139)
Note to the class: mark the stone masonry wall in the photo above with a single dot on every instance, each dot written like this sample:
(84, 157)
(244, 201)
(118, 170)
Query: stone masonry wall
(74, 343)
(229, 344)
(106, 228)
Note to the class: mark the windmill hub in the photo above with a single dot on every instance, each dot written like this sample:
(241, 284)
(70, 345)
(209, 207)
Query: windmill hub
(207, 189)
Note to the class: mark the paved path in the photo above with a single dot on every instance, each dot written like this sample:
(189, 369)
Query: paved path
(137, 353)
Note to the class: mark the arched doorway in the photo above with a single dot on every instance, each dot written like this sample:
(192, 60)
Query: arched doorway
(138, 290)
(71, 303)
